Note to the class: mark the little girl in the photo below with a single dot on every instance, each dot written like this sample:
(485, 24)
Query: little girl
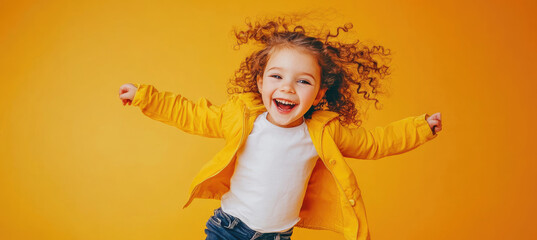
(288, 124)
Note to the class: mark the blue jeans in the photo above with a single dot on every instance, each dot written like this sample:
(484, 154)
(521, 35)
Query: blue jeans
(223, 226)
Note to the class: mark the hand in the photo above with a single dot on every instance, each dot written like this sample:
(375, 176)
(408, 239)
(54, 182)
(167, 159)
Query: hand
(435, 122)
(126, 93)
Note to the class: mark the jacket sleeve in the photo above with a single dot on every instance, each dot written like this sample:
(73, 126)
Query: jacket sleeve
(200, 118)
(395, 138)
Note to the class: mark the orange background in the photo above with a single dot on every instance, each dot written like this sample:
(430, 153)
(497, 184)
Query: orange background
(77, 164)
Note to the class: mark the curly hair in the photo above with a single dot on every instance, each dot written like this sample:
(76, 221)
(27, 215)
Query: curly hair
(349, 71)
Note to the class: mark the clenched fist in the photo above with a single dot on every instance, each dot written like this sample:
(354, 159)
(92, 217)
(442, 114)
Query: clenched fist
(435, 122)
(126, 93)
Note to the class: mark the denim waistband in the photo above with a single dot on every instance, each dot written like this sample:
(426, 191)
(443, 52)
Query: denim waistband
(230, 222)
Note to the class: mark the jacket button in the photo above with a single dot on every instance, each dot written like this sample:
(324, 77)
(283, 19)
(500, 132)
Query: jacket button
(332, 161)
(352, 202)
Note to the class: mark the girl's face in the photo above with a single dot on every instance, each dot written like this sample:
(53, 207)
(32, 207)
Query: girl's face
(290, 86)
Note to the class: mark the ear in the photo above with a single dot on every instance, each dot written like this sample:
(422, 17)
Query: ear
(259, 83)
(319, 96)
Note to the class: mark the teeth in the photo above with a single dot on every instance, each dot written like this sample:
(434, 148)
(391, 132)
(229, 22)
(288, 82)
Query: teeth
(285, 102)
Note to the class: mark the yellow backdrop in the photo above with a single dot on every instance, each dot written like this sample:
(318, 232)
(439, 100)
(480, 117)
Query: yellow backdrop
(77, 164)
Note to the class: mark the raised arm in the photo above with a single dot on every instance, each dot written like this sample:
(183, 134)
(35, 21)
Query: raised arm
(395, 138)
(200, 118)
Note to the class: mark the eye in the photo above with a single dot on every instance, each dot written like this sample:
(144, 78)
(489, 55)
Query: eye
(304, 82)
(276, 76)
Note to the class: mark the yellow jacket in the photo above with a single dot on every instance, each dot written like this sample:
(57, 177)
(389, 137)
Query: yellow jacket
(333, 200)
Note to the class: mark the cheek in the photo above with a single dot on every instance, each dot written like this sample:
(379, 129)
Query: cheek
(308, 96)
(265, 92)
(268, 87)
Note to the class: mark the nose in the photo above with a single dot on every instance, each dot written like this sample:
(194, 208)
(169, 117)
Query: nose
(287, 86)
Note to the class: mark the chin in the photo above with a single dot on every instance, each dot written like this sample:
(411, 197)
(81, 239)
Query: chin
(286, 121)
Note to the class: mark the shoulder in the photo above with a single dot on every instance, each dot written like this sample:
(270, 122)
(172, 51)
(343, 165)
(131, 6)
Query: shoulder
(330, 123)
(248, 99)
(238, 102)
(251, 101)
(320, 119)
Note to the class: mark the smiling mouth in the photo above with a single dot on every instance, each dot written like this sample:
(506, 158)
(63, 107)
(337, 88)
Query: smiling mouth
(284, 105)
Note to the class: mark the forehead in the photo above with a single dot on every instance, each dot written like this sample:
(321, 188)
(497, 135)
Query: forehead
(294, 60)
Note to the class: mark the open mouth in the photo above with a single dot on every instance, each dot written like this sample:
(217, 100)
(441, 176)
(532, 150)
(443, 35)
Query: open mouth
(284, 105)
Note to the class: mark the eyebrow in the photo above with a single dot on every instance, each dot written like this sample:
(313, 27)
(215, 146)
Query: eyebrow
(305, 73)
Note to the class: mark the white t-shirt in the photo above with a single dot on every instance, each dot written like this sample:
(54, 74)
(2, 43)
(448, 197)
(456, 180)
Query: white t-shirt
(271, 175)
